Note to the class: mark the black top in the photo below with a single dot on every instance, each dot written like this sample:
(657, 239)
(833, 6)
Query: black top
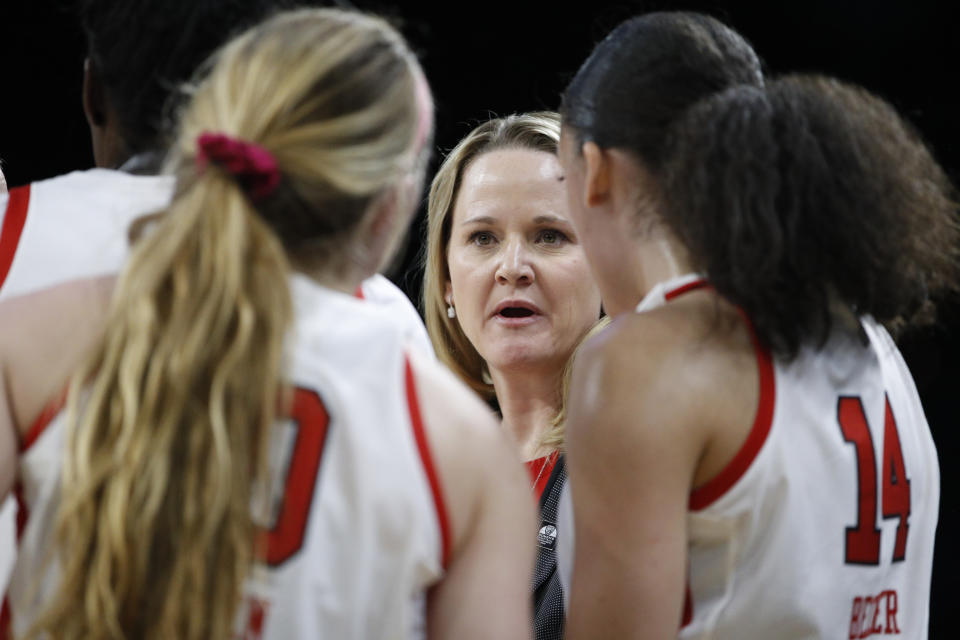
(548, 612)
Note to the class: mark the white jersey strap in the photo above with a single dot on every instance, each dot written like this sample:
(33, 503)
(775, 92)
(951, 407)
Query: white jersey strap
(664, 291)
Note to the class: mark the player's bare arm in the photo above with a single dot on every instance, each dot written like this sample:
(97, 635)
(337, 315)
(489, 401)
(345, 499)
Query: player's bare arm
(44, 337)
(644, 414)
(485, 593)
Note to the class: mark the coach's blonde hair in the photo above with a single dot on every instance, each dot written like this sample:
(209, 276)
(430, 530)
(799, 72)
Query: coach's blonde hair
(539, 131)
(172, 414)
(555, 437)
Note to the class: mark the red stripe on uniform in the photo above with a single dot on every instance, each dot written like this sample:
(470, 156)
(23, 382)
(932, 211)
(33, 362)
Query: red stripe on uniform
(709, 493)
(46, 416)
(13, 221)
(687, 607)
(434, 480)
(6, 632)
(23, 511)
(690, 286)
(540, 471)
(23, 514)
(359, 292)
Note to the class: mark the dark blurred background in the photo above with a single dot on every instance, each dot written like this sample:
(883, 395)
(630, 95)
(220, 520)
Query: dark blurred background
(496, 57)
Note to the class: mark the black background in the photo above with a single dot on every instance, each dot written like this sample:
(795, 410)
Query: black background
(494, 58)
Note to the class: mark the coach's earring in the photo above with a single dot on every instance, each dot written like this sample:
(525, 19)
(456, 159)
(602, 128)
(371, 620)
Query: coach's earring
(451, 312)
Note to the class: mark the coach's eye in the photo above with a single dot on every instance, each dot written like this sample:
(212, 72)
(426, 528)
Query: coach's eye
(552, 237)
(482, 238)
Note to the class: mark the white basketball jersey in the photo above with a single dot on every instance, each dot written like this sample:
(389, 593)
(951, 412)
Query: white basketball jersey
(76, 226)
(380, 291)
(72, 226)
(68, 227)
(357, 525)
(822, 525)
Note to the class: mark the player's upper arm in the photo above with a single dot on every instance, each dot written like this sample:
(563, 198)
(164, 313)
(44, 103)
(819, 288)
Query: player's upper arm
(43, 338)
(486, 591)
(631, 458)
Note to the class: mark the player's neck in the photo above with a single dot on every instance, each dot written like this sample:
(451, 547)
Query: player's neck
(659, 257)
(528, 400)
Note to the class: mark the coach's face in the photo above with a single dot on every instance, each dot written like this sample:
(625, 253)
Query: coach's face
(519, 280)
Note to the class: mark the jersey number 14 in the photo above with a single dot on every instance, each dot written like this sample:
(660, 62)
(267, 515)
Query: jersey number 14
(863, 540)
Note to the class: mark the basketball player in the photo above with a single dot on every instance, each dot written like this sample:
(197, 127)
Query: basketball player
(748, 455)
(131, 78)
(77, 225)
(299, 163)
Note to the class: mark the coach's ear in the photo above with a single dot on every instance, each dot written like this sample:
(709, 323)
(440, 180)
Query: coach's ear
(108, 146)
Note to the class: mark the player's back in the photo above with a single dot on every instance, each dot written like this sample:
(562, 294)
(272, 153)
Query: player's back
(823, 524)
(77, 225)
(72, 226)
(355, 531)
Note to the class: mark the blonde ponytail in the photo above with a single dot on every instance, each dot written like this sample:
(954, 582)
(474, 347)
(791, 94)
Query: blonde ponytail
(172, 432)
(170, 418)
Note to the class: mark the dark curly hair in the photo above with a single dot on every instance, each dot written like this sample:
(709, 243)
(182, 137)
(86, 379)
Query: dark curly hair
(647, 72)
(810, 196)
(144, 50)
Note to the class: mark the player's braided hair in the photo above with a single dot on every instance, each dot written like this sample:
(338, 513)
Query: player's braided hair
(808, 198)
(171, 416)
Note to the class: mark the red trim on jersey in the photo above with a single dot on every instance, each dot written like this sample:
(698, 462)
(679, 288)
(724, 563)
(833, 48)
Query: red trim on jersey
(23, 510)
(709, 493)
(687, 606)
(23, 513)
(359, 292)
(699, 283)
(6, 624)
(46, 416)
(424, 448)
(13, 221)
(540, 471)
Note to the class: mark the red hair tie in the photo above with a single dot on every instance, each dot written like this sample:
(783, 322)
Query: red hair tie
(253, 166)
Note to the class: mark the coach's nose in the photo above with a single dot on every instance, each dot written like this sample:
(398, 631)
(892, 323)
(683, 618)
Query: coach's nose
(516, 266)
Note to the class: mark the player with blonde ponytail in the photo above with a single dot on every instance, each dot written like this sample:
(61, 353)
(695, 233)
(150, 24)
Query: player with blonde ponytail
(183, 508)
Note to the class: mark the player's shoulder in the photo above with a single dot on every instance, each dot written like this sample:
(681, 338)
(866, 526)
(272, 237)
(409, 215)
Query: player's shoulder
(379, 288)
(459, 424)
(320, 314)
(76, 188)
(640, 344)
(82, 178)
(699, 326)
(673, 362)
(447, 399)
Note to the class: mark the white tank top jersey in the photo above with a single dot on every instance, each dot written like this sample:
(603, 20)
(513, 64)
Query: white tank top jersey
(357, 524)
(822, 525)
(71, 226)
(380, 291)
(76, 226)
